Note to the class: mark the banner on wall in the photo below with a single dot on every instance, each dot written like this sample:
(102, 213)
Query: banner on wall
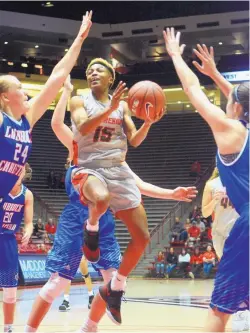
(33, 267)
(236, 76)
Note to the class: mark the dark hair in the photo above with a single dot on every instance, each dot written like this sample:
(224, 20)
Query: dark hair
(241, 96)
(196, 249)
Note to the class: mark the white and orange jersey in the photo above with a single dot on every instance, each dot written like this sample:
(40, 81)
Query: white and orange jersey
(224, 217)
(107, 143)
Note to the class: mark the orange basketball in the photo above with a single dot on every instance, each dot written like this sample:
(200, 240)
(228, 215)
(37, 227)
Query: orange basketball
(146, 100)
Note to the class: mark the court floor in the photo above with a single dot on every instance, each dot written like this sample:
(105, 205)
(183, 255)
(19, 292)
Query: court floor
(152, 306)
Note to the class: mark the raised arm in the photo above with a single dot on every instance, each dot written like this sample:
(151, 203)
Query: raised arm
(40, 103)
(228, 133)
(61, 130)
(85, 124)
(28, 217)
(208, 67)
(178, 194)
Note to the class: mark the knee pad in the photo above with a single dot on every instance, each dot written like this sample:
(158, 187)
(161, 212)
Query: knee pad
(53, 288)
(9, 295)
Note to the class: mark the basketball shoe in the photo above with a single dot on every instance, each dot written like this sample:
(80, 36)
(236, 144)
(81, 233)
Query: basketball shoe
(64, 306)
(240, 321)
(113, 299)
(90, 300)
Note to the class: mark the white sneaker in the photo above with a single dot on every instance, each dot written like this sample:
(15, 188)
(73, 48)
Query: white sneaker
(240, 321)
(88, 330)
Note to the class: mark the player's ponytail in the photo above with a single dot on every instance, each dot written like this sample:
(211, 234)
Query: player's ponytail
(215, 174)
(4, 86)
(241, 96)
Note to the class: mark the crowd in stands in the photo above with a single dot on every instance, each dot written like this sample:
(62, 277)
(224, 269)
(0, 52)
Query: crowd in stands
(185, 263)
(55, 181)
(41, 240)
(190, 254)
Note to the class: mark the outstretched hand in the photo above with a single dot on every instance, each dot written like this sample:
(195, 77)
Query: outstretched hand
(172, 42)
(185, 193)
(117, 96)
(208, 66)
(86, 25)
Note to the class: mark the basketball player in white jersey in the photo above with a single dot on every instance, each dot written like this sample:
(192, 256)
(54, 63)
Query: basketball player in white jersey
(102, 126)
(216, 202)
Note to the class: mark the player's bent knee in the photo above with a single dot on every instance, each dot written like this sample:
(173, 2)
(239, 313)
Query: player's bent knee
(102, 202)
(9, 295)
(53, 288)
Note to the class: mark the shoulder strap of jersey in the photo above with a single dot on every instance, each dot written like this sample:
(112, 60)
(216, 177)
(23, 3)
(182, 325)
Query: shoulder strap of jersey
(24, 190)
(25, 120)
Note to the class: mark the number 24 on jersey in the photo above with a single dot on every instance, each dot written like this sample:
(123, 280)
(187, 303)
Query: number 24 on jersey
(21, 152)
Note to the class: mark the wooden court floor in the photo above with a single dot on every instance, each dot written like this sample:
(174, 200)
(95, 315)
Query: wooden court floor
(152, 306)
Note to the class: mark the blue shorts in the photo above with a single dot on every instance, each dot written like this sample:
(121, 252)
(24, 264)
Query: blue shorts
(66, 253)
(110, 256)
(8, 261)
(231, 289)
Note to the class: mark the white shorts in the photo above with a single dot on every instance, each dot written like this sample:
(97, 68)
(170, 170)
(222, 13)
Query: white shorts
(119, 181)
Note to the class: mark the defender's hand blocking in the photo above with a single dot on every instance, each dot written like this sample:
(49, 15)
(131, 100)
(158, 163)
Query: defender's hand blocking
(172, 42)
(86, 25)
(185, 193)
(208, 66)
(118, 95)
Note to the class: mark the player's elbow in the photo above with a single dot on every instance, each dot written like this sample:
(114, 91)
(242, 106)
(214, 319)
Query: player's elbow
(56, 126)
(192, 88)
(59, 74)
(134, 142)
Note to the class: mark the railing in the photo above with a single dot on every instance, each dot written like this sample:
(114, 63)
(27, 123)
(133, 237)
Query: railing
(162, 229)
(42, 209)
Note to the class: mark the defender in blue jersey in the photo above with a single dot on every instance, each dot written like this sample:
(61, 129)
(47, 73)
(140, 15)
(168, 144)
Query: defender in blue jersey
(18, 115)
(16, 205)
(231, 290)
(66, 253)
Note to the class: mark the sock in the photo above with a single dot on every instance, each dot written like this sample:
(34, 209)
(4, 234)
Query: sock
(91, 227)
(8, 327)
(118, 282)
(66, 298)
(91, 293)
(89, 326)
(29, 329)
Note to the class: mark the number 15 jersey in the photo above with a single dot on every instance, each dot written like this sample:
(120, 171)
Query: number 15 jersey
(15, 147)
(107, 142)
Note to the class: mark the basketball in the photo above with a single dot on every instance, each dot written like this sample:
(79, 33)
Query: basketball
(146, 100)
